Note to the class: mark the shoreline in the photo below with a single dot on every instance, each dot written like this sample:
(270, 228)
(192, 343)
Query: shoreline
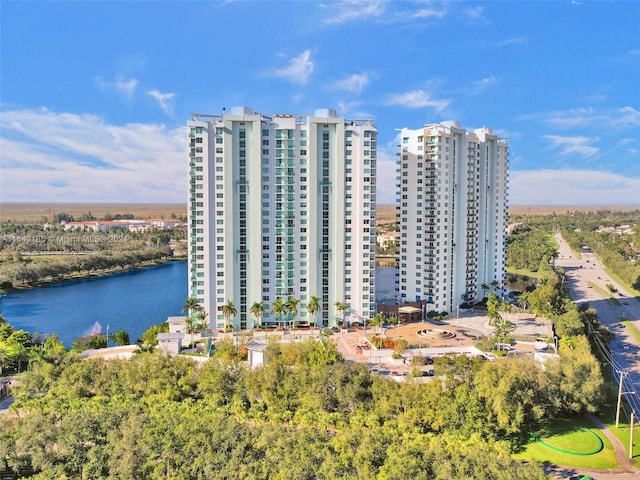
(91, 275)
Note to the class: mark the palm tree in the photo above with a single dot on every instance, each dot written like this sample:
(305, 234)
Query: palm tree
(313, 307)
(257, 311)
(394, 321)
(377, 320)
(229, 311)
(342, 308)
(484, 288)
(202, 322)
(292, 308)
(192, 306)
(190, 323)
(495, 284)
(279, 308)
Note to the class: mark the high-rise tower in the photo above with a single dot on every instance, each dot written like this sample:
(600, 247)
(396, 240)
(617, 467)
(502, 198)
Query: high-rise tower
(452, 206)
(282, 207)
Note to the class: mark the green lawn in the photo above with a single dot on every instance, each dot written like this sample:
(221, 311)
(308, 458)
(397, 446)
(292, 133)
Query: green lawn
(608, 416)
(570, 435)
(632, 330)
(622, 432)
(523, 271)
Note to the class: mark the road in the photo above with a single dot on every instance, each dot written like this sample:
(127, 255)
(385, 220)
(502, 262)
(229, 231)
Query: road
(584, 271)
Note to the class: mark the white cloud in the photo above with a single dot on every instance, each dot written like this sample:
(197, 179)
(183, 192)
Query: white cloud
(430, 12)
(344, 108)
(121, 85)
(67, 157)
(388, 12)
(574, 145)
(417, 99)
(164, 100)
(630, 117)
(353, 83)
(299, 69)
(517, 41)
(355, 10)
(128, 87)
(484, 83)
(475, 13)
(572, 187)
(581, 117)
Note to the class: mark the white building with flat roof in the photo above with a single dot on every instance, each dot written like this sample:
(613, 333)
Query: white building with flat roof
(282, 206)
(452, 207)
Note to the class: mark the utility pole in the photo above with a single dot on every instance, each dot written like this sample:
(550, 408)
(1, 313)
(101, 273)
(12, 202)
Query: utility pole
(622, 374)
(631, 437)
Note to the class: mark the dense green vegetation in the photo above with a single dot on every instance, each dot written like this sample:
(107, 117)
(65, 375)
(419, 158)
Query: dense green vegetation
(30, 254)
(306, 415)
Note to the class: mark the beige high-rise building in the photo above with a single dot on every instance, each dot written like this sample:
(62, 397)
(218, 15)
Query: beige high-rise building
(282, 206)
(452, 207)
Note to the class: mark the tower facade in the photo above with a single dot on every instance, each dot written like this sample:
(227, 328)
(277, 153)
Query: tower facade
(452, 206)
(282, 207)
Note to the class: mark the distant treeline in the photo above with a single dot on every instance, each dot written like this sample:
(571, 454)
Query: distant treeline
(28, 271)
(88, 216)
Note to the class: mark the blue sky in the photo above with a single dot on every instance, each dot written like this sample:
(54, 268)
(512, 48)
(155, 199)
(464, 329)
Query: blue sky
(95, 96)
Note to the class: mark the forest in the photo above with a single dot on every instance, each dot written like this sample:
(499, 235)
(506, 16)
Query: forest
(31, 255)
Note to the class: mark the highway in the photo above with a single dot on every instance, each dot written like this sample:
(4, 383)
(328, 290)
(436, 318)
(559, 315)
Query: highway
(587, 280)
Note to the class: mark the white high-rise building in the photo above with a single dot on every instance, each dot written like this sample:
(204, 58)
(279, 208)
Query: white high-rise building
(452, 206)
(282, 206)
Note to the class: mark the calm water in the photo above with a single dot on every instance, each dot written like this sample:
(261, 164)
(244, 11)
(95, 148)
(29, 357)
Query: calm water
(385, 284)
(131, 301)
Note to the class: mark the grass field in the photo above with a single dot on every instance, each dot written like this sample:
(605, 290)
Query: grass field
(386, 212)
(34, 212)
(550, 209)
(575, 435)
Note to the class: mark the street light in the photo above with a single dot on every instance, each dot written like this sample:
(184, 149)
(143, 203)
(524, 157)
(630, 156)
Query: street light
(107, 336)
